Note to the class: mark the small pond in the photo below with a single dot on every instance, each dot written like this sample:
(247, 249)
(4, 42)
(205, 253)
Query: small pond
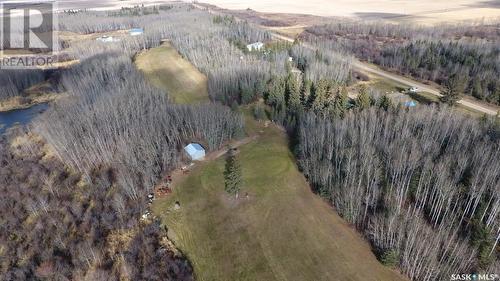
(20, 116)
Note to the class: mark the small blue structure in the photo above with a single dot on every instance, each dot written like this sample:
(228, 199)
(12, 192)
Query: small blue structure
(195, 151)
(135, 31)
(410, 104)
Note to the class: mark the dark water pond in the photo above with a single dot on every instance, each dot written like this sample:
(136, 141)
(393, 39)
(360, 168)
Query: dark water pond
(20, 116)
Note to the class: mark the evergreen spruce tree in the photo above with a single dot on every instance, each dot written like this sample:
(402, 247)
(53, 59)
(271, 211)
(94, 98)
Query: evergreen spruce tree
(259, 112)
(338, 107)
(364, 100)
(305, 92)
(276, 92)
(453, 89)
(385, 102)
(247, 95)
(292, 93)
(232, 174)
(320, 95)
(477, 90)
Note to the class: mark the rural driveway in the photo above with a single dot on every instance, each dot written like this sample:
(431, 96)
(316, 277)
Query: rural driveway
(365, 67)
(422, 87)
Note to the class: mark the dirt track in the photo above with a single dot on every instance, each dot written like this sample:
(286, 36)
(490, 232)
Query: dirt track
(491, 110)
(178, 174)
(487, 109)
(235, 144)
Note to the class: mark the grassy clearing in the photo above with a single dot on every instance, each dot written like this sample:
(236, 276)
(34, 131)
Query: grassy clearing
(386, 86)
(393, 88)
(167, 70)
(282, 231)
(291, 31)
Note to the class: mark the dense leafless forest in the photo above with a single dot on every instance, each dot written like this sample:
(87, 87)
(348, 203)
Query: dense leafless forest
(115, 118)
(324, 61)
(381, 29)
(13, 82)
(422, 184)
(469, 52)
(216, 47)
(113, 137)
(55, 227)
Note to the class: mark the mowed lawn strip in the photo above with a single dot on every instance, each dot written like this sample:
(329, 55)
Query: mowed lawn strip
(167, 70)
(281, 232)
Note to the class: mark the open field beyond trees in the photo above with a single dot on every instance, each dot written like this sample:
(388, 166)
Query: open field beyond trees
(282, 231)
(424, 12)
(166, 69)
(427, 11)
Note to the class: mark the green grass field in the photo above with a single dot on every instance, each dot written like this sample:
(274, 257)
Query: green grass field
(386, 86)
(167, 70)
(282, 231)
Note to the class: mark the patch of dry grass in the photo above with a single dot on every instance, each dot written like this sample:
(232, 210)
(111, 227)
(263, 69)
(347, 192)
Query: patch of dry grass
(166, 69)
(39, 93)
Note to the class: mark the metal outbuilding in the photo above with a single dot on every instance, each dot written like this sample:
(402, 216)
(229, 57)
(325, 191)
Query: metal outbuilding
(195, 151)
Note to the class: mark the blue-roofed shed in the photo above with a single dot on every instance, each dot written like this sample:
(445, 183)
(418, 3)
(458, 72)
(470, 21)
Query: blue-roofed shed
(410, 104)
(195, 151)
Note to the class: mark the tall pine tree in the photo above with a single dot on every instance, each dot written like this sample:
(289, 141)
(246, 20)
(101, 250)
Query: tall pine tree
(364, 99)
(232, 174)
(385, 102)
(340, 102)
(292, 93)
(453, 89)
(319, 96)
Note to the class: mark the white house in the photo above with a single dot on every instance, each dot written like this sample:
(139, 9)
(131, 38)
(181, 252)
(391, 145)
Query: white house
(257, 46)
(107, 39)
(195, 151)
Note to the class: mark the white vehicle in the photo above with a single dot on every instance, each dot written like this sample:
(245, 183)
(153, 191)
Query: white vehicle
(413, 90)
